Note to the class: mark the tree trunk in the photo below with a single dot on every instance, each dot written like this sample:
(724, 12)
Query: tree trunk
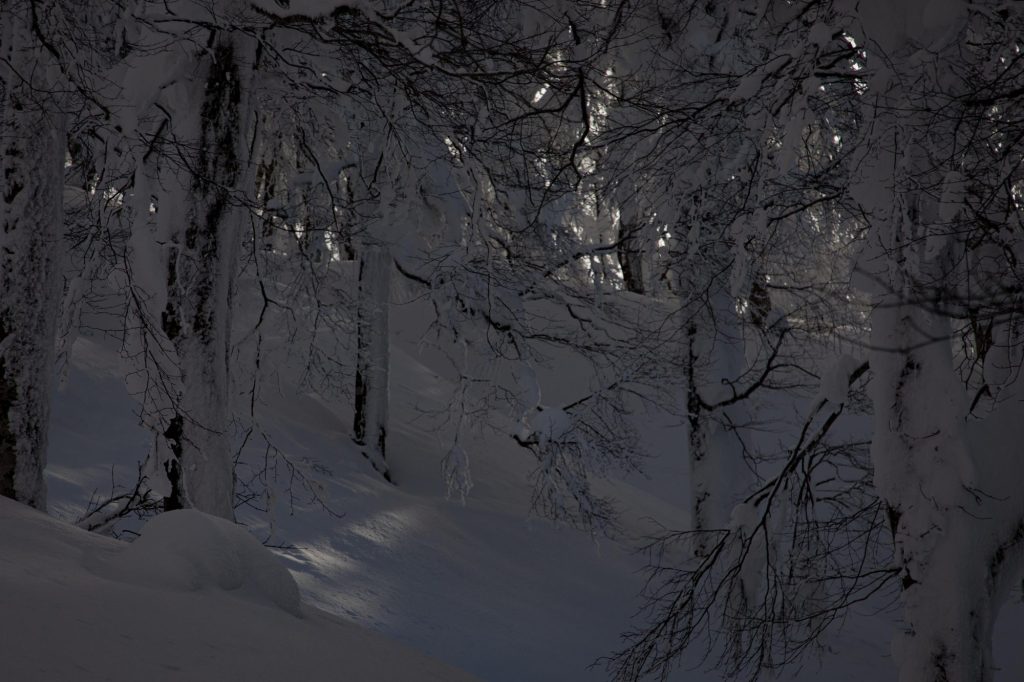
(951, 487)
(201, 281)
(945, 546)
(630, 254)
(32, 175)
(714, 360)
(696, 415)
(370, 423)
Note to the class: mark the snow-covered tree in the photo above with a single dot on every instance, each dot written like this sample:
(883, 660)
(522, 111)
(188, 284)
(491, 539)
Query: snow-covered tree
(191, 127)
(940, 185)
(34, 140)
(742, 117)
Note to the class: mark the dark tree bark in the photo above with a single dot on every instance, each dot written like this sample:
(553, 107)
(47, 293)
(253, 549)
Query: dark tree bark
(370, 421)
(32, 176)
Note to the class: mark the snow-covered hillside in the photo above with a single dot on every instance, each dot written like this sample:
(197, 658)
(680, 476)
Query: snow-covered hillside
(201, 601)
(551, 339)
(481, 586)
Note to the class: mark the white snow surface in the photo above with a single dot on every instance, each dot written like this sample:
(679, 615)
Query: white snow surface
(187, 550)
(481, 586)
(133, 619)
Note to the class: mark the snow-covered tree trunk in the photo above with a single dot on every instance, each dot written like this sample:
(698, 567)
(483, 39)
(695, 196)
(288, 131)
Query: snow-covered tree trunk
(31, 188)
(201, 281)
(951, 485)
(921, 468)
(370, 420)
(713, 363)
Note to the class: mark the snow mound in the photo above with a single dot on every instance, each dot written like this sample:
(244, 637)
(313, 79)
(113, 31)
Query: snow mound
(187, 550)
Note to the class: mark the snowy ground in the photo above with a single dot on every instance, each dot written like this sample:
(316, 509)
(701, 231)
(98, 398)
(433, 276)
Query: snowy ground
(480, 586)
(77, 606)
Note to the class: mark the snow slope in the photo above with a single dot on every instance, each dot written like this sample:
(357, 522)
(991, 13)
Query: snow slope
(200, 601)
(483, 586)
